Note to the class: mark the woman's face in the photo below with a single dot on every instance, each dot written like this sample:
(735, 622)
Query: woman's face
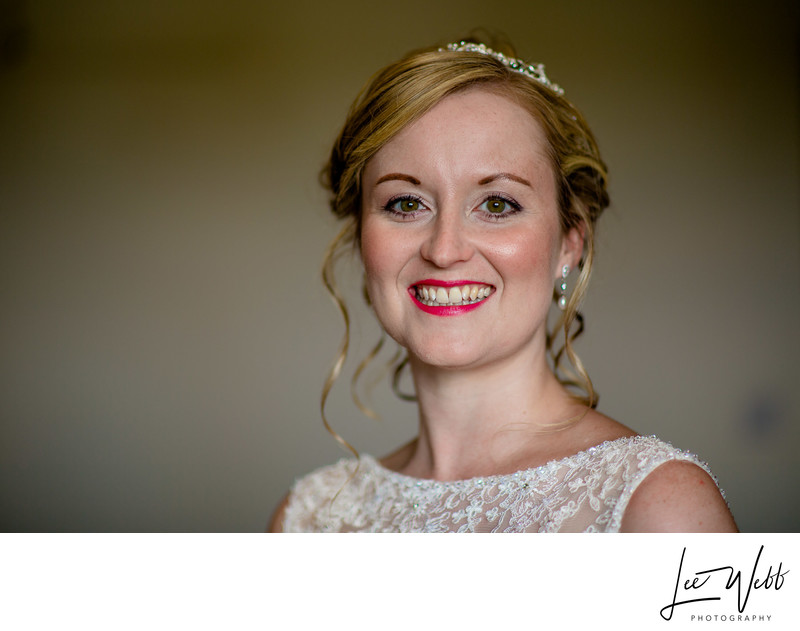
(461, 240)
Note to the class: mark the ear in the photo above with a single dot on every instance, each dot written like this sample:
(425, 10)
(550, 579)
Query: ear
(572, 246)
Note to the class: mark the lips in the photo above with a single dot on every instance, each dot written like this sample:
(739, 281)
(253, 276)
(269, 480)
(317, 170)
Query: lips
(449, 297)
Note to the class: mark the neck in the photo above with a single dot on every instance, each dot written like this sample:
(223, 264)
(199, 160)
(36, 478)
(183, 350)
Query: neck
(485, 420)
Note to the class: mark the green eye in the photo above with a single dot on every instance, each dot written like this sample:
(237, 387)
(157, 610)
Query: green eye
(496, 206)
(408, 205)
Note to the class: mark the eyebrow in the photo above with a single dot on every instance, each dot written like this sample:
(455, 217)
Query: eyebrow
(398, 176)
(504, 176)
(491, 178)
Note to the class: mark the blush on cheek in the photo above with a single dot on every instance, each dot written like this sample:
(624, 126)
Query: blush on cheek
(371, 249)
(380, 260)
(366, 240)
(384, 248)
(525, 257)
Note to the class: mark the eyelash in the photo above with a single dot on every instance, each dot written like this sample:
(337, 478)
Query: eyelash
(489, 216)
(399, 213)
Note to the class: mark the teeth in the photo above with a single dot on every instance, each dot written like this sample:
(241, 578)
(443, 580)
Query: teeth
(456, 296)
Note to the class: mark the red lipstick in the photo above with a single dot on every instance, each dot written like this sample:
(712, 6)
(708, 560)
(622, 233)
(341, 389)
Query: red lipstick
(446, 310)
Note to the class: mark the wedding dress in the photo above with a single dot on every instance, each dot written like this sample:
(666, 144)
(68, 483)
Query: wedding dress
(586, 492)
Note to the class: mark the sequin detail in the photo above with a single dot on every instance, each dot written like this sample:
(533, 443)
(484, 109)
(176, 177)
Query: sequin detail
(586, 492)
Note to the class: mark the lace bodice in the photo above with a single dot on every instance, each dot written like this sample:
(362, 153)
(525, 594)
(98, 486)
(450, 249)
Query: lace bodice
(586, 492)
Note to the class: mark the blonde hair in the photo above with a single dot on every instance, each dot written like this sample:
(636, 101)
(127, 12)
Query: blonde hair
(402, 93)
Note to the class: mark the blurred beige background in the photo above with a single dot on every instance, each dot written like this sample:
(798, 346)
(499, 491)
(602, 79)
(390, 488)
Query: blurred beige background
(163, 333)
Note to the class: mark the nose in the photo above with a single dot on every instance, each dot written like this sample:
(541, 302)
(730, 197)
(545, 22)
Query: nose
(447, 243)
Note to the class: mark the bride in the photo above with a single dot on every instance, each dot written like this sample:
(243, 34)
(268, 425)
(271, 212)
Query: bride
(470, 187)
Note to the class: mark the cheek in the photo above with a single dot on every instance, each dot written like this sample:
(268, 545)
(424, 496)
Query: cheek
(529, 258)
(375, 251)
(384, 253)
(383, 258)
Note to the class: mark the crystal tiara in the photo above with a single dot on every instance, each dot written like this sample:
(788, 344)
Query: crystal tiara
(534, 71)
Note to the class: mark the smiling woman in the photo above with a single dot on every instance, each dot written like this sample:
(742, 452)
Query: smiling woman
(470, 187)
(484, 219)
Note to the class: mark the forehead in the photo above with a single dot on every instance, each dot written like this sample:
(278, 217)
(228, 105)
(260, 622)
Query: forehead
(474, 130)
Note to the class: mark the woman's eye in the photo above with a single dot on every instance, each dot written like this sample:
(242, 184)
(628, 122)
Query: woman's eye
(407, 205)
(497, 206)
(404, 205)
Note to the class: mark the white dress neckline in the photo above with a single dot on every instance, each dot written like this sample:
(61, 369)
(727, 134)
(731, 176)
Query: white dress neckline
(584, 492)
(550, 464)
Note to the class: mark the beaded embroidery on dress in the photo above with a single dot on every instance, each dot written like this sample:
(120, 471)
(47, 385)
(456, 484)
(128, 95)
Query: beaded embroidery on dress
(586, 492)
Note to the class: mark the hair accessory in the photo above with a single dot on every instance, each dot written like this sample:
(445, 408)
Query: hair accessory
(534, 71)
(562, 288)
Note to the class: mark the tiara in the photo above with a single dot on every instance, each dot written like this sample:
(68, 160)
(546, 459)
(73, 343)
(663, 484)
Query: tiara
(535, 72)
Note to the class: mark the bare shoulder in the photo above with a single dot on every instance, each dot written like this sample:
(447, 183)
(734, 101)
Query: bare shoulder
(678, 496)
(595, 428)
(276, 522)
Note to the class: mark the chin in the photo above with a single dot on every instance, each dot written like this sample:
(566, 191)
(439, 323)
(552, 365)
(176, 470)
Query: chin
(454, 356)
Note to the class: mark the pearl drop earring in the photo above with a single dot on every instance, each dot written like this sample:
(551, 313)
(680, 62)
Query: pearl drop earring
(562, 288)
